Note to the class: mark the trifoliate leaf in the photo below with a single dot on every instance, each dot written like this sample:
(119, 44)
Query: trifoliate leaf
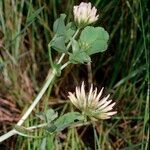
(47, 116)
(63, 33)
(78, 57)
(58, 43)
(93, 40)
(67, 119)
(59, 25)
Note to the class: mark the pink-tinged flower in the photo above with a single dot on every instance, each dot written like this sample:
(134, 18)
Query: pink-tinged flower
(84, 14)
(91, 104)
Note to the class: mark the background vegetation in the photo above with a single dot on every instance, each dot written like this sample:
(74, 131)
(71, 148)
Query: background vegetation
(26, 29)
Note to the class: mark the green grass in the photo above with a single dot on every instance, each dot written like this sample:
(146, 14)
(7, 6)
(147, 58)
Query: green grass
(123, 70)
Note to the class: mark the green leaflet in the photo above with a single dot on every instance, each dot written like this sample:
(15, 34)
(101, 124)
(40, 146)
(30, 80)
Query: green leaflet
(93, 40)
(63, 34)
(75, 45)
(67, 119)
(47, 116)
(70, 30)
(58, 43)
(59, 25)
(79, 57)
(51, 115)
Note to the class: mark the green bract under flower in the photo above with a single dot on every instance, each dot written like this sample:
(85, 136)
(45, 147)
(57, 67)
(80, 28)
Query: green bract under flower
(84, 14)
(91, 104)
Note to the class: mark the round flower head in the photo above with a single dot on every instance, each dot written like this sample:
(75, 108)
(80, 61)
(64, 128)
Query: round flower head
(84, 14)
(91, 104)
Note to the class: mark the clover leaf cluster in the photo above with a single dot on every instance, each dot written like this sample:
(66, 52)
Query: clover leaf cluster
(89, 40)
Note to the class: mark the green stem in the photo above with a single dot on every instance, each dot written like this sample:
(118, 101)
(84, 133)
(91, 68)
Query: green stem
(68, 46)
(64, 65)
(37, 126)
(50, 55)
(76, 33)
(47, 97)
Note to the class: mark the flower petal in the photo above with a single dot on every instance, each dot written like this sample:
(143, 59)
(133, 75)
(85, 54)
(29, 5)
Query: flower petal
(108, 108)
(83, 96)
(73, 99)
(102, 101)
(90, 94)
(99, 95)
(105, 104)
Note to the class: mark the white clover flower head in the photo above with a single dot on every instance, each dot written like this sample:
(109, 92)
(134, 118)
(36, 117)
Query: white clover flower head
(84, 14)
(91, 104)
